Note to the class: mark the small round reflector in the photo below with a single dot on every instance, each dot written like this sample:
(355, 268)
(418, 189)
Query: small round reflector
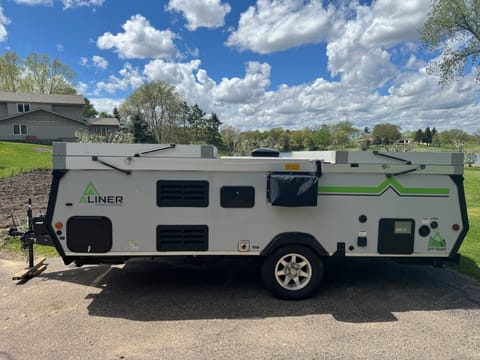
(58, 225)
(456, 227)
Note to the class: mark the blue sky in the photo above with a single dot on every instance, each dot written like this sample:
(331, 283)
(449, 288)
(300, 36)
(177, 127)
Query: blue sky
(257, 64)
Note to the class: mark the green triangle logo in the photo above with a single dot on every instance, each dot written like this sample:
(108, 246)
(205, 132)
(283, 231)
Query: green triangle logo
(90, 190)
(437, 241)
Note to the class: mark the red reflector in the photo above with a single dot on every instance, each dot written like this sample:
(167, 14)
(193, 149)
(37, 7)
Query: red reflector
(456, 227)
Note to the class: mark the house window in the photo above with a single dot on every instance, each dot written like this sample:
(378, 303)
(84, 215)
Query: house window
(19, 129)
(21, 108)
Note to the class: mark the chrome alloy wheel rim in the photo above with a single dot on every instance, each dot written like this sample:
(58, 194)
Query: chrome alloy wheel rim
(293, 272)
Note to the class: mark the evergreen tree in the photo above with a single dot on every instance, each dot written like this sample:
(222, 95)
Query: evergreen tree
(212, 134)
(427, 137)
(183, 123)
(197, 122)
(139, 129)
(116, 113)
(89, 110)
(419, 136)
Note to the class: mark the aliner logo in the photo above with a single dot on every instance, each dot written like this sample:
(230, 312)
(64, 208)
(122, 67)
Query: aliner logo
(437, 243)
(92, 196)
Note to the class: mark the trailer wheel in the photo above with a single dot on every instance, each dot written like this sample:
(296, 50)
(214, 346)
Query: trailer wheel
(293, 272)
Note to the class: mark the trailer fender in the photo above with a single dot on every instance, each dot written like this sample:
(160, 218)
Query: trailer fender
(294, 238)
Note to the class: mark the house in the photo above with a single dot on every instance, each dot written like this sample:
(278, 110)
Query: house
(405, 141)
(45, 118)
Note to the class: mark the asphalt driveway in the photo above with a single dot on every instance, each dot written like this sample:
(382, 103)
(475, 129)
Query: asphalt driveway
(220, 310)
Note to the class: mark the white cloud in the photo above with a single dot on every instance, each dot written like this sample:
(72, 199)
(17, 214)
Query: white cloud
(99, 62)
(35, 2)
(359, 51)
(250, 89)
(274, 25)
(201, 13)
(69, 4)
(393, 21)
(60, 47)
(105, 104)
(130, 78)
(81, 88)
(413, 101)
(190, 81)
(83, 61)
(139, 40)
(3, 21)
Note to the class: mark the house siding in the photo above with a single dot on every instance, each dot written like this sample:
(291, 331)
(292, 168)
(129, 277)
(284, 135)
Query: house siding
(3, 110)
(52, 117)
(70, 111)
(40, 126)
(13, 107)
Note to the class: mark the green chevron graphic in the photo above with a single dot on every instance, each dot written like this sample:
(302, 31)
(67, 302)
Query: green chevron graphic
(90, 190)
(380, 189)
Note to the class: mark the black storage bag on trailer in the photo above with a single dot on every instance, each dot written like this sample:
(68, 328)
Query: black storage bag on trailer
(293, 190)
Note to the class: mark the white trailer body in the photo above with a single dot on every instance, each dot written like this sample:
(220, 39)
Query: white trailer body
(113, 202)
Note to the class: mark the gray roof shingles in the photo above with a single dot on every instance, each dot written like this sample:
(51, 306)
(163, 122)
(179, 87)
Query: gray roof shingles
(41, 98)
(103, 121)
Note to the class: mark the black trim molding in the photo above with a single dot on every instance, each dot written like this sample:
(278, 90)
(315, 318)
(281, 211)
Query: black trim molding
(458, 180)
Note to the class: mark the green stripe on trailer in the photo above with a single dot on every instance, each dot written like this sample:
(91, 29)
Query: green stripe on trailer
(380, 189)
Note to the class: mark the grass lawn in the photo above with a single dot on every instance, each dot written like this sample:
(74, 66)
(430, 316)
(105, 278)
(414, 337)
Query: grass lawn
(470, 250)
(12, 245)
(16, 158)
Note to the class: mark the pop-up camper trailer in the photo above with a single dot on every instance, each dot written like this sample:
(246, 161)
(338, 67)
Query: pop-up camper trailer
(113, 202)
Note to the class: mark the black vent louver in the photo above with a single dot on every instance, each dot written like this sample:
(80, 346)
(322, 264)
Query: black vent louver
(181, 193)
(182, 237)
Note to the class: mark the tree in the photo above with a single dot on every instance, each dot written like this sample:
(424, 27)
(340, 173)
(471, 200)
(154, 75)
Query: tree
(343, 132)
(388, 133)
(456, 138)
(196, 121)
(35, 74)
(296, 140)
(116, 113)
(476, 134)
(470, 158)
(183, 129)
(419, 135)
(45, 77)
(322, 137)
(453, 25)
(88, 136)
(212, 135)
(159, 105)
(138, 127)
(231, 139)
(427, 136)
(10, 71)
(103, 114)
(89, 110)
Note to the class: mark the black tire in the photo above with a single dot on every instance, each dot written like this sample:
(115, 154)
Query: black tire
(293, 272)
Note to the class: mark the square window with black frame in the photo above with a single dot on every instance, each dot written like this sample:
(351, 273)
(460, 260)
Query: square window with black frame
(292, 189)
(89, 234)
(182, 193)
(396, 236)
(237, 196)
